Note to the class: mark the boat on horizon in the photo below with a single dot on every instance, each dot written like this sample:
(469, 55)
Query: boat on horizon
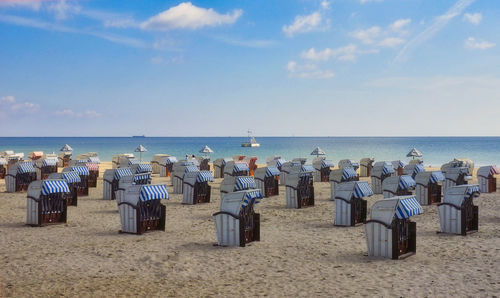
(143, 136)
(252, 142)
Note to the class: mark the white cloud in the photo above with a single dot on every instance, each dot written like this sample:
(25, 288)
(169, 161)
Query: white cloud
(400, 24)
(473, 18)
(307, 71)
(9, 103)
(367, 36)
(63, 10)
(391, 42)
(249, 43)
(472, 43)
(302, 24)
(30, 4)
(34, 23)
(70, 113)
(325, 4)
(189, 16)
(9, 99)
(346, 53)
(437, 25)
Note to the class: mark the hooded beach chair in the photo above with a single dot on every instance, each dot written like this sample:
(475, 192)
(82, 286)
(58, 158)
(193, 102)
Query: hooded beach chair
(299, 187)
(111, 181)
(47, 202)
(399, 166)
(396, 186)
(456, 176)
(44, 167)
(179, 169)
(413, 170)
(166, 165)
(196, 188)
(381, 170)
(83, 186)
(237, 224)
(486, 178)
(73, 180)
(121, 159)
(322, 168)
(233, 168)
(3, 167)
(341, 175)
(349, 163)
(457, 212)
(204, 163)
(63, 159)
(389, 232)
(350, 207)
(219, 165)
(428, 189)
(19, 176)
(155, 162)
(366, 166)
(458, 163)
(267, 180)
(141, 209)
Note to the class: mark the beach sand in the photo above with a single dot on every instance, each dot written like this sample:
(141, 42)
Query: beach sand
(300, 253)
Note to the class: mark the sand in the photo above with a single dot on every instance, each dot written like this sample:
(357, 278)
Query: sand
(300, 253)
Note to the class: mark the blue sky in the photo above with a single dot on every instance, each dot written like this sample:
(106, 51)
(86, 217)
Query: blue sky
(280, 68)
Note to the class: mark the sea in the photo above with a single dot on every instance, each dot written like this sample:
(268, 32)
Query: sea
(435, 150)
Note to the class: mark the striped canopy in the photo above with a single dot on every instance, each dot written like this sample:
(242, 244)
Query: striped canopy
(240, 167)
(191, 169)
(280, 162)
(272, 171)
(92, 166)
(81, 161)
(225, 160)
(171, 160)
(362, 189)
(418, 169)
(254, 195)
(49, 162)
(144, 167)
(204, 176)
(471, 189)
(436, 177)
(3, 161)
(54, 186)
(94, 159)
(143, 176)
(406, 182)
(307, 168)
(348, 173)
(122, 172)
(327, 164)
(408, 207)
(243, 183)
(71, 177)
(26, 167)
(82, 171)
(399, 164)
(153, 192)
(387, 169)
(133, 161)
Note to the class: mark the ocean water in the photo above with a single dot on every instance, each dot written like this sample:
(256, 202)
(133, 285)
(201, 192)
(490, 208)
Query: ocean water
(435, 150)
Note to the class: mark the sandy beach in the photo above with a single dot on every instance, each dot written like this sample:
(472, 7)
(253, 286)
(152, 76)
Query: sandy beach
(300, 253)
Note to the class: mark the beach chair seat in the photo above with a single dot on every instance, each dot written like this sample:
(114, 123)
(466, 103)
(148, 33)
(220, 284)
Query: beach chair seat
(47, 202)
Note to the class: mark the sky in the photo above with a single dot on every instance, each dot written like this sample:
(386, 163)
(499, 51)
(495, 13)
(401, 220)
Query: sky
(279, 68)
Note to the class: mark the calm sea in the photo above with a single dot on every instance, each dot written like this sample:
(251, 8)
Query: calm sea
(436, 150)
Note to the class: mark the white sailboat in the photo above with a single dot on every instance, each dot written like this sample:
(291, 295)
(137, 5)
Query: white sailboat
(252, 142)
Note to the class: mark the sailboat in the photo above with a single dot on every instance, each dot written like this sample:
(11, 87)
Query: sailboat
(252, 142)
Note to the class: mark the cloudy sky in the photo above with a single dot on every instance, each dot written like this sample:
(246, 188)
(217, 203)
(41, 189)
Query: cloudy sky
(280, 68)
